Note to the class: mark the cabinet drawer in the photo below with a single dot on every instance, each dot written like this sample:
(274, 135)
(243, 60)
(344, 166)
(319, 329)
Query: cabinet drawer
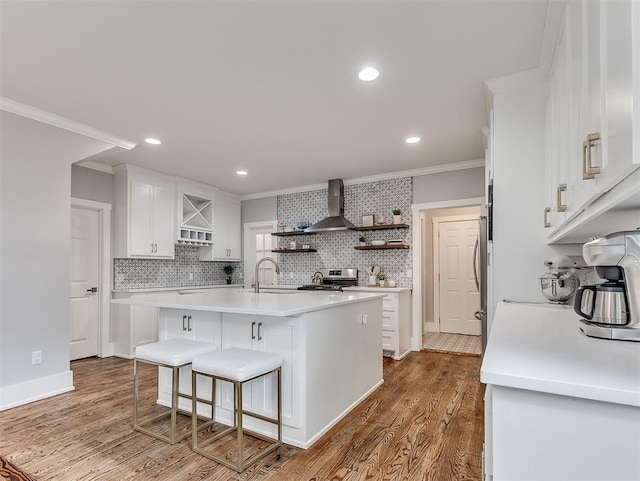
(389, 340)
(390, 303)
(389, 321)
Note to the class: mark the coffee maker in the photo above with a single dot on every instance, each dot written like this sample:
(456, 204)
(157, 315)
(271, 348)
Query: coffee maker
(611, 310)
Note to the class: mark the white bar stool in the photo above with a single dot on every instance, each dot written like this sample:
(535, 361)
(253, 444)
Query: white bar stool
(173, 354)
(236, 366)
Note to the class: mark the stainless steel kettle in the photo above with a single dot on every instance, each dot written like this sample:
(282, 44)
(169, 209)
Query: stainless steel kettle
(602, 303)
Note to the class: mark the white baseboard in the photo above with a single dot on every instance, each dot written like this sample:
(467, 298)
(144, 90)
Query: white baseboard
(35, 389)
(339, 417)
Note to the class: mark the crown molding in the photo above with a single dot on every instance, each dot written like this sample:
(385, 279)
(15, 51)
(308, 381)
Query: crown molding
(434, 169)
(45, 117)
(515, 81)
(552, 28)
(93, 165)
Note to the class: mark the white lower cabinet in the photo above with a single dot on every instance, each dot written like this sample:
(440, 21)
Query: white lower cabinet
(396, 324)
(539, 436)
(133, 325)
(269, 335)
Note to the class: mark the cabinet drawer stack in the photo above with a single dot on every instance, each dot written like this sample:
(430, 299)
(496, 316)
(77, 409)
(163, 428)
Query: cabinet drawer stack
(396, 324)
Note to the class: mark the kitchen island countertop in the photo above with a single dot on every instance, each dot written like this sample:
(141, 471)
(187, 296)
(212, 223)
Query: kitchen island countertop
(541, 348)
(244, 301)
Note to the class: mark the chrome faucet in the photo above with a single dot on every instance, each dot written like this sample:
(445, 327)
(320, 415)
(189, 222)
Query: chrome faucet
(256, 286)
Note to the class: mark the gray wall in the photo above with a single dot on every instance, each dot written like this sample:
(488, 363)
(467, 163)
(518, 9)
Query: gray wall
(34, 255)
(91, 184)
(256, 210)
(457, 184)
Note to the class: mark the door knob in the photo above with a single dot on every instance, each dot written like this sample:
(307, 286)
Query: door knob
(93, 289)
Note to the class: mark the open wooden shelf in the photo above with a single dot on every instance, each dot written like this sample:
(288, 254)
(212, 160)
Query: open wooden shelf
(294, 232)
(386, 246)
(293, 250)
(383, 226)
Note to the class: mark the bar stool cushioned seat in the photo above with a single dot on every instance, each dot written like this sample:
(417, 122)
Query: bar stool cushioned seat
(236, 366)
(173, 354)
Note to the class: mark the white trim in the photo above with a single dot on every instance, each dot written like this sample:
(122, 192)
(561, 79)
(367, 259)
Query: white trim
(436, 259)
(515, 81)
(105, 348)
(45, 117)
(416, 336)
(249, 245)
(337, 419)
(94, 165)
(35, 389)
(434, 169)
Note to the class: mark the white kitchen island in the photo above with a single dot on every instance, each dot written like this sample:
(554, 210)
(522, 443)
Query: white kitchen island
(559, 405)
(331, 344)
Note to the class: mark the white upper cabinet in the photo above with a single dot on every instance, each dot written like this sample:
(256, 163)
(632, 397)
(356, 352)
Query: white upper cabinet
(195, 212)
(226, 230)
(144, 213)
(590, 124)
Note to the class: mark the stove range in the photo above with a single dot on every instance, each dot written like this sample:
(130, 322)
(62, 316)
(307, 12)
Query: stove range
(332, 280)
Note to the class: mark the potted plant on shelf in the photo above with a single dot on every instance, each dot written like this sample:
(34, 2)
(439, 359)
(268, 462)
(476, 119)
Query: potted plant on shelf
(228, 270)
(363, 240)
(381, 278)
(397, 218)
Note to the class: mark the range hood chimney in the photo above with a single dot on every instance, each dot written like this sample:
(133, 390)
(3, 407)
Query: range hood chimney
(336, 220)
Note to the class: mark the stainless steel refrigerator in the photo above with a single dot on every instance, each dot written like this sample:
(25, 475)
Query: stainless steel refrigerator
(480, 264)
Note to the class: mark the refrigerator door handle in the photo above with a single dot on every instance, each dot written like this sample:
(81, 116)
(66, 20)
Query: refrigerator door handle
(475, 264)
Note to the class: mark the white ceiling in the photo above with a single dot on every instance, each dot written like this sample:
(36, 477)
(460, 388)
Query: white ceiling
(270, 86)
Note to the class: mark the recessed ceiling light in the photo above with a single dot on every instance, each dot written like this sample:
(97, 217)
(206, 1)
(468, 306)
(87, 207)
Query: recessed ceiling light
(368, 74)
(152, 141)
(412, 140)
(241, 172)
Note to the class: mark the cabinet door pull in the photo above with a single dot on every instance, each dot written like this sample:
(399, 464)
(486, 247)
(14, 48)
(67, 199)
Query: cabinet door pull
(253, 325)
(189, 323)
(561, 207)
(547, 211)
(589, 171)
(184, 323)
(259, 334)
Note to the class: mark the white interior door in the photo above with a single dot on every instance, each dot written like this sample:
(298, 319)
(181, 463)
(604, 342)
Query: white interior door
(85, 262)
(458, 297)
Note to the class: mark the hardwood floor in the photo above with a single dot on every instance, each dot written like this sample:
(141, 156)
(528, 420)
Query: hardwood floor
(424, 423)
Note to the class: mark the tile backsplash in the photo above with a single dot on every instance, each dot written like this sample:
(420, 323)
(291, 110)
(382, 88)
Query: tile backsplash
(336, 249)
(185, 270)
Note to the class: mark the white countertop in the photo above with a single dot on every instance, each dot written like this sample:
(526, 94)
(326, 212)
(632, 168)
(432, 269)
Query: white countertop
(245, 301)
(541, 348)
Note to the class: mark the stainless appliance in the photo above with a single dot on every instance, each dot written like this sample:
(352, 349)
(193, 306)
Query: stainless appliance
(480, 269)
(336, 220)
(611, 310)
(559, 283)
(332, 280)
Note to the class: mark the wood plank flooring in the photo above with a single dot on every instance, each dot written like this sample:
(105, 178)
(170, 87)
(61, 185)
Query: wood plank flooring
(424, 423)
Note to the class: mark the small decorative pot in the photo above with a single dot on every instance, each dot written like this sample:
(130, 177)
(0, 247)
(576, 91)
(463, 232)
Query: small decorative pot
(397, 219)
(381, 283)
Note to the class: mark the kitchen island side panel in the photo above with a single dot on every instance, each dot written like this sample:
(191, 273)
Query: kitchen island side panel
(344, 362)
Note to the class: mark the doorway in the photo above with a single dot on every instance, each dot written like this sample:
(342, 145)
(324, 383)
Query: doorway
(423, 266)
(90, 279)
(455, 295)
(258, 243)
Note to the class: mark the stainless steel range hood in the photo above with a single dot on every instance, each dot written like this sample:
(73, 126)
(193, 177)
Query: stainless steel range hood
(336, 220)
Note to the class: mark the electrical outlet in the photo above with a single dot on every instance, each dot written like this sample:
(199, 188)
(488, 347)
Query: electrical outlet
(290, 275)
(36, 357)
(120, 278)
(190, 276)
